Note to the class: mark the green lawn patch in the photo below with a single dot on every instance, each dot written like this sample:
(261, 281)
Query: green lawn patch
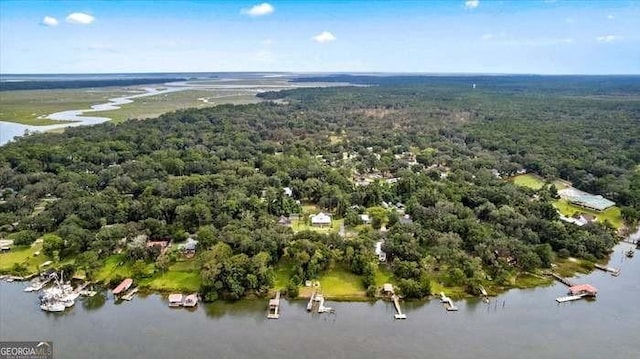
(23, 255)
(611, 214)
(299, 225)
(114, 266)
(283, 272)
(339, 282)
(383, 275)
(529, 180)
(174, 280)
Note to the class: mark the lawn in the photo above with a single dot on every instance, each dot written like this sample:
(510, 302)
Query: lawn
(298, 225)
(529, 180)
(339, 282)
(283, 272)
(23, 255)
(611, 214)
(114, 266)
(174, 280)
(383, 275)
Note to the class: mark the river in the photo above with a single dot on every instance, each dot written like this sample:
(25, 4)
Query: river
(518, 324)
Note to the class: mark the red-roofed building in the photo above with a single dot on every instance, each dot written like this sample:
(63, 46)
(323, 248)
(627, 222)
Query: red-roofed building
(583, 289)
(123, 286)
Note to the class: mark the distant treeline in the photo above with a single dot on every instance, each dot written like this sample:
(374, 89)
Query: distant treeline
(74, 84)
(561, 84)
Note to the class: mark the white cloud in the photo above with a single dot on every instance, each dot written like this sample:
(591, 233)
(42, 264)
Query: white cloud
(471, 4)
(323, 37)
(607, 38)
(610, 17)
(259, 10)
(49, 21)
(80, 18)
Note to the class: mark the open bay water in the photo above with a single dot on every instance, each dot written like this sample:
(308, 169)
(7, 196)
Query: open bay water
(518, 324)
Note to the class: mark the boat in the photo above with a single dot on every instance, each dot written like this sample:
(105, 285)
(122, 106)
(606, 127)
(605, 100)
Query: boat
(35, 286)
(52, 306)
(190, 301)
(629, 253)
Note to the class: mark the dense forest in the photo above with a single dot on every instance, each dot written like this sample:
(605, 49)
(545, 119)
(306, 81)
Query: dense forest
(426, 158)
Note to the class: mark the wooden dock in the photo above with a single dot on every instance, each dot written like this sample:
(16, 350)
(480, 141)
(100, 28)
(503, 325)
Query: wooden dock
(130, 294)
(311, 301)
(448, 303)
(274, 307)
(562, 280)
(569, 298)
(614, 271)
(396, 303)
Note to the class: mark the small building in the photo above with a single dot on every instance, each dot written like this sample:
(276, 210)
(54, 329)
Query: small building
(589, 201)
(175, 300)
(583, 289)
(387, 289)
(365, 218)
(284, 221)
(189, 247)
(124, 285)
(321, 220)
(288, 191)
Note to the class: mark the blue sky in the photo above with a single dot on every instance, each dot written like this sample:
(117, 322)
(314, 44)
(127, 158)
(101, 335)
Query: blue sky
(545, 37)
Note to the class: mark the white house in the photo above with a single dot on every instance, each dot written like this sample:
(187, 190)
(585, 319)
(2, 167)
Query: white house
(365, 218)
(288, 191)
(321, 220)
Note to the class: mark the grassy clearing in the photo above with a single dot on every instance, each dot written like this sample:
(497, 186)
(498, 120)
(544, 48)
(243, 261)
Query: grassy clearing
(283, 272)
(453, 292)
(23, 255)
(339, 282)
(529, 180)
(114, 266)
(383, 275)
(612, 214)
(571, 266)
(298, 225)
(174, 280)
(26, 107)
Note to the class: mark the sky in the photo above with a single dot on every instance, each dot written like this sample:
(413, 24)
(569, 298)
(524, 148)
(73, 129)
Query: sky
(458, 36)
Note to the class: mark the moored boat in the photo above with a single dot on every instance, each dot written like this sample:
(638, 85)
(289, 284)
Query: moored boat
(629, 253)
(52, 306)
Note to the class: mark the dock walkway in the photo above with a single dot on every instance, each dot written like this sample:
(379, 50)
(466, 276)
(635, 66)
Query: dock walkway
(396, 303)
(448, 303)
(562, 280)
(614, 271)
(274, 307)
(569, 298)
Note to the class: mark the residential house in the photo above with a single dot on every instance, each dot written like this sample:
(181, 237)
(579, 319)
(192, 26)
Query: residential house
(321, 220)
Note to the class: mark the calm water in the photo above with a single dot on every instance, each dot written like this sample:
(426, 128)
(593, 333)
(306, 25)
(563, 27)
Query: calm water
(528, 325)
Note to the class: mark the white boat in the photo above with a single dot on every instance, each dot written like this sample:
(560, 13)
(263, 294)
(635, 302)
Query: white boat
(190, 301)
(52, 307)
